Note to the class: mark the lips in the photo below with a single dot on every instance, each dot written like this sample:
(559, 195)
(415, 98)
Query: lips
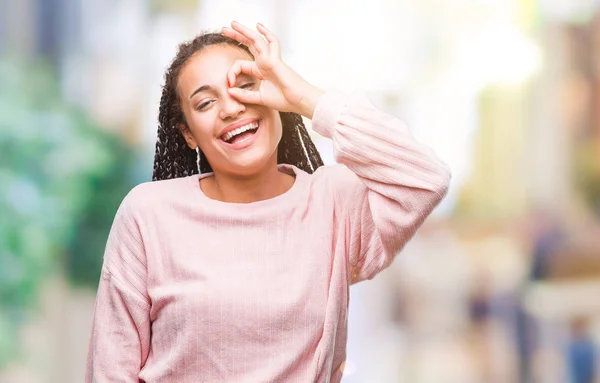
(242, 136)
(236, 125)
(234, 134)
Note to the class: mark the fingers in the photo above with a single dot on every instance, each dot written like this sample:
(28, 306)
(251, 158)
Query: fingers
(245, 96)
(242, 66)
(232, 34)
(254, 41)
(273, 41)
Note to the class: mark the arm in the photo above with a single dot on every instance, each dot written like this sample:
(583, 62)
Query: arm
(397, 181)
(120, 340)
(395, 185)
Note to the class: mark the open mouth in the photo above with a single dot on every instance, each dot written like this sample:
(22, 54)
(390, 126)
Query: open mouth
(240, 134)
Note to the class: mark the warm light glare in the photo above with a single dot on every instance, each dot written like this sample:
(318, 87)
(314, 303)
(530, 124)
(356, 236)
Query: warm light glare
(500, 55)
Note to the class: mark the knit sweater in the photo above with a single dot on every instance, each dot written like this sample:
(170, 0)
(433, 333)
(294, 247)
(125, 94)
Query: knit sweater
(197, 290)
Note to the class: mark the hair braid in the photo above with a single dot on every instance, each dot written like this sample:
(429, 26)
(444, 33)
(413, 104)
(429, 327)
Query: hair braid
(295, 146)
(173, 158)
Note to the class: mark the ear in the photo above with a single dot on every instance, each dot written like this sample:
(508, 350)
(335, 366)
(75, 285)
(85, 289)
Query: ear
(187, 135)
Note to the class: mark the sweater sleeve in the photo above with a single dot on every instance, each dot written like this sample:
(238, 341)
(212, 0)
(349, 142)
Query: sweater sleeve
(120, 340)
(393, 182)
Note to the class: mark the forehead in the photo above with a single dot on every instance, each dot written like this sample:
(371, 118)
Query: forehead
(209, 66)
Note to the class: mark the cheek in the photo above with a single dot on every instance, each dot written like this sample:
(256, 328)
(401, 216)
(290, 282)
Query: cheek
(276, 129)
(202, 127)
(203, 133)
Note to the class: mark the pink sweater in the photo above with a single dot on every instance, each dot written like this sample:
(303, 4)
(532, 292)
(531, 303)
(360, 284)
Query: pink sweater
(197, 290)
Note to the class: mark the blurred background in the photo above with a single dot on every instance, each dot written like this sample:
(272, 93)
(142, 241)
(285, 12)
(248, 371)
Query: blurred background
(502, 284)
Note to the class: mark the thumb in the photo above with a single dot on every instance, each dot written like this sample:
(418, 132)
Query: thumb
(245, 96)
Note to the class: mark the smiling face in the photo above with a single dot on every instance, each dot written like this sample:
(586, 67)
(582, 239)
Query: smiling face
(237, 139)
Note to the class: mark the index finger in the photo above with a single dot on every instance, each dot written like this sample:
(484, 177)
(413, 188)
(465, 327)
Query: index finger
(242, 66)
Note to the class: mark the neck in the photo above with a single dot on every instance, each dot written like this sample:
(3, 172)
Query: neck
(266, 184)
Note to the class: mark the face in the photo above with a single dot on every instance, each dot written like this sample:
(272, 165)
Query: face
(237, 139)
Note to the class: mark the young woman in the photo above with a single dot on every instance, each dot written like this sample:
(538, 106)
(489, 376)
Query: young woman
(241, 273)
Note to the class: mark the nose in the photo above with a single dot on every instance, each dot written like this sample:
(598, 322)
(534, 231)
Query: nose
(232, 108)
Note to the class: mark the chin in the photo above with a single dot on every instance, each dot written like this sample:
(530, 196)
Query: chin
(250, 163)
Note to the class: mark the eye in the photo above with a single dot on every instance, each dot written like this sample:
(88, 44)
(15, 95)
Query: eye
(203, 105)
(247, 85)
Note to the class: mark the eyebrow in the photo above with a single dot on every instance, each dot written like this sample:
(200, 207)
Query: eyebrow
(201, 89)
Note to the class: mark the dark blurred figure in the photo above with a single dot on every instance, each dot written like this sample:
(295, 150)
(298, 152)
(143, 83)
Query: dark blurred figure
(480, 315)
(547, 237)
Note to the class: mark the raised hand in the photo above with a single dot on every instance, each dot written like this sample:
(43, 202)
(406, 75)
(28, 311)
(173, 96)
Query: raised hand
(280, 88)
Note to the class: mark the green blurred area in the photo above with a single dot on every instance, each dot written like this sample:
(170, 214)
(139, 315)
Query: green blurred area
(61, 180)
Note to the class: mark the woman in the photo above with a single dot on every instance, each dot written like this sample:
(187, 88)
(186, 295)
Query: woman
(242, 273)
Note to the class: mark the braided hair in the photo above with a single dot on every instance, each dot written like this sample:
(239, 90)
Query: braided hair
(173, 158)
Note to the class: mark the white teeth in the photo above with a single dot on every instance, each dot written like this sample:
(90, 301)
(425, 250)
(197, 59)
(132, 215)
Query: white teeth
(229, 135)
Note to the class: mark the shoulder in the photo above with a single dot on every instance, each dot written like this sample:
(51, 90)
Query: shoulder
(337, 179)
(151, 196)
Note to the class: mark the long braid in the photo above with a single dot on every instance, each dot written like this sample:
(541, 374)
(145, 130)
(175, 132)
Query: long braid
(311, 150)
(295, 146)
(173, 158)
